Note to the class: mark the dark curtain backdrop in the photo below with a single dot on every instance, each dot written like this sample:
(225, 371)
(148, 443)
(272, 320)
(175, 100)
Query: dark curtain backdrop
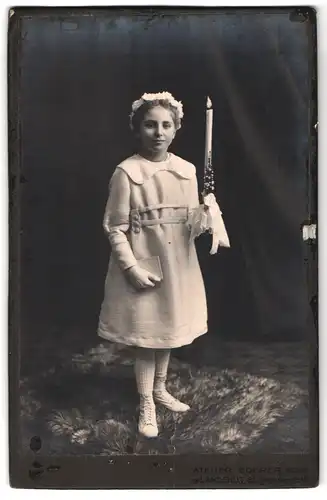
(79, 76)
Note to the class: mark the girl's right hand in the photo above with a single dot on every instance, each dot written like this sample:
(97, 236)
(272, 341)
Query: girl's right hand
(140, 278)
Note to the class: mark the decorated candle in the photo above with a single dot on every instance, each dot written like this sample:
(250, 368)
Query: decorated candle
(208, 172)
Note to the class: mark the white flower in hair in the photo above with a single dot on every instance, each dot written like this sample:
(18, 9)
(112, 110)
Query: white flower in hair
(166, 96)
(137, 104)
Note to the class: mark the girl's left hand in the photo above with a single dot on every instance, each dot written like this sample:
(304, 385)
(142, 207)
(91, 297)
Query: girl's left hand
(140, 278)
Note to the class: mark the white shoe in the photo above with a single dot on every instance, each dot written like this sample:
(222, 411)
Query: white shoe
(163, 397)
(147, 419)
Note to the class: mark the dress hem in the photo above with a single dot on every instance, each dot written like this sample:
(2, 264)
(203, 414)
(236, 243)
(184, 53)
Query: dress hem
(149, 343)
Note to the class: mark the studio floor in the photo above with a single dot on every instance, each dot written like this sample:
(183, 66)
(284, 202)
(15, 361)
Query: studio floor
(245, 397)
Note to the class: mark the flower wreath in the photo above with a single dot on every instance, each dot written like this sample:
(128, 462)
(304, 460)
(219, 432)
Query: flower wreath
(165, 96)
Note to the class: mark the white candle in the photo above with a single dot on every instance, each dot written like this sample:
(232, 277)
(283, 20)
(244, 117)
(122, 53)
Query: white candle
(208, 172)
(208, 140)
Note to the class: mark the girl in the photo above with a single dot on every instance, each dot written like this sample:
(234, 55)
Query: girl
(154, 292)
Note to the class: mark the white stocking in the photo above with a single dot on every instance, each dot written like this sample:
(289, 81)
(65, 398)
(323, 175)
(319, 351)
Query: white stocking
(162, 357)
(144, 371)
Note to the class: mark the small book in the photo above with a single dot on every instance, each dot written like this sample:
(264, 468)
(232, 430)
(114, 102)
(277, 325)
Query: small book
(152, 264)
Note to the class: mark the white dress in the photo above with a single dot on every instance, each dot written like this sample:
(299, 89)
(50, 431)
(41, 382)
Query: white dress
(145, 219)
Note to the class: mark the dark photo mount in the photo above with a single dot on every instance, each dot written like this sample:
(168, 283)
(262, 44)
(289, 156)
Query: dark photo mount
(72, 76)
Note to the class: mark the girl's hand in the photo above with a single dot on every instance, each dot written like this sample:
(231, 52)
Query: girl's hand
(140, 278)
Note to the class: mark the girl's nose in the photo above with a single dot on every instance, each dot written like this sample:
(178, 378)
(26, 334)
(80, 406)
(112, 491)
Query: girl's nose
(159, 131)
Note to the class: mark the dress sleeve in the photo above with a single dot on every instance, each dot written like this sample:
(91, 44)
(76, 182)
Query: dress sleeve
(116, 219)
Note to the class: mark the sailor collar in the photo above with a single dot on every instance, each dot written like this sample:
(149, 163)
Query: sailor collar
(140, 169)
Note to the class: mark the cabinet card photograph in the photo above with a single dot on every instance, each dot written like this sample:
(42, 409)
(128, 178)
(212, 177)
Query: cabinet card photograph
(163, 247)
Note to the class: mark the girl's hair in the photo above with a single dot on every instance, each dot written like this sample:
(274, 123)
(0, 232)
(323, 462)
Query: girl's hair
(137, 117)
(148, 101)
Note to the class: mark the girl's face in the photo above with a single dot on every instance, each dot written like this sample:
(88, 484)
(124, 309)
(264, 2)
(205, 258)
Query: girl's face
(157, 130)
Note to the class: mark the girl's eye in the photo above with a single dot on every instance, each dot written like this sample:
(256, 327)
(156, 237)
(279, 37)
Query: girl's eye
(153, 124)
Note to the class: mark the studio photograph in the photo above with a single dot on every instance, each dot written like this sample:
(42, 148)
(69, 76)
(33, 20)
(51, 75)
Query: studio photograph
(163, 231)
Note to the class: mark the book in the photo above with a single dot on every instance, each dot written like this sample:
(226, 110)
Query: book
(152, 264)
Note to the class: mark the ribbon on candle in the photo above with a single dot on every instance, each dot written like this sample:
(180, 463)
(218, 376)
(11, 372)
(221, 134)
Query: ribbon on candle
(208, 216)
(215, 223)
